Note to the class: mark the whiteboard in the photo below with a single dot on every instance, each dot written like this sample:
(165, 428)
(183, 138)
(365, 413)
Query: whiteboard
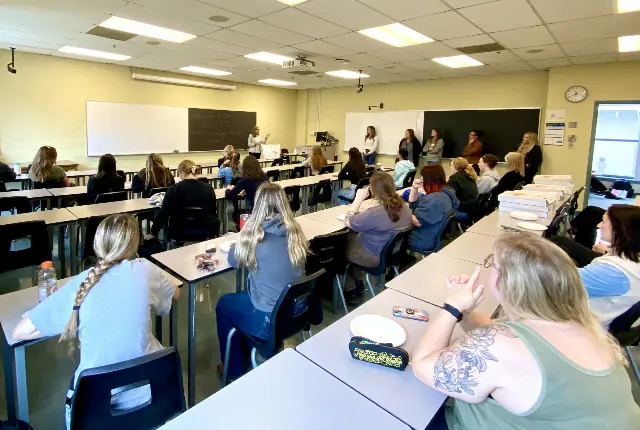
(124, 128)
(390, 128)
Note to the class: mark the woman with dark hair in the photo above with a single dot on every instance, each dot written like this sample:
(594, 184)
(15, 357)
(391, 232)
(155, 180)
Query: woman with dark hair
(612, 280)
(353, 171)
(251, 178)
(370, 145)
(432, 148)
(106, 181)
(473, 150)
(490, 177)
(431, 210)
(412, 145)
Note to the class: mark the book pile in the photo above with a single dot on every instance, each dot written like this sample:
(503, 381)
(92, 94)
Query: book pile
(539, 203)
(558, 190)
(561, 180)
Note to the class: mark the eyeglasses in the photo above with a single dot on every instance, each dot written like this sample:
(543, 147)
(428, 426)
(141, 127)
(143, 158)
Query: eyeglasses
(488, 262)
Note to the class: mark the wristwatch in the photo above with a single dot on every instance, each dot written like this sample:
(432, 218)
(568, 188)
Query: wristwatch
(453, 311)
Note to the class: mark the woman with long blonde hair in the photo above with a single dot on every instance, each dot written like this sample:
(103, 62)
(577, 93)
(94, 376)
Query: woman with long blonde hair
(463, 182)
(227, 152)
(317, 160)
(154, 175)
(273, 248)
(532, 151)
(545, 363)
(107, 307)
(44, 169)
(514, 177)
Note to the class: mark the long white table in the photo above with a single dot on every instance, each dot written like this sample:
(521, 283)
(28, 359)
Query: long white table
(492, 224)
(470, 247)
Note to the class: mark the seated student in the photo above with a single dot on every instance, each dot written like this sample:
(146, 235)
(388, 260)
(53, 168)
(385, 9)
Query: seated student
(251, 178)
(402, 168)
(106, 181)
(515, 175)
(6, 173)
(44, 171)
(463, 182)
(107, 307)
(274, 250)
(188, 193)
(544, 364)
(372, 228)
(316, 161)
(611, 274)
(490, 176)
(154, 175)
(226, 155)
(229, 171)
(431, 210)
(353, 171)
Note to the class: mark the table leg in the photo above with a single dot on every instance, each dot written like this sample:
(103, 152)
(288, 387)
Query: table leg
(158, 327)
(21, 383)
(305, 200)
(191, 396)
(61, 253)
(225, 221)
(7, 360)
(173, 324)
(73, 248)
(239, 279)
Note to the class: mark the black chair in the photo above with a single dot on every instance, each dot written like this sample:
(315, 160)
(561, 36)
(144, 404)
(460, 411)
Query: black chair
(439, 236)
(38, 251)
(121, 173)
(158, 190)
(573, 203)
(361, 183)
(485, 205)
(322, 193)
(273, 175)
(408, 180)
(277, 162)
(519, 186)
(622, 329)
(90, 233)
(293, 194)
(327, 169)
(162, 371)
(115, 196)
(554, 225)
(15, 205)
(291, 315)
(46, 184)
(327, 252)
(298, 172)
(192, 224)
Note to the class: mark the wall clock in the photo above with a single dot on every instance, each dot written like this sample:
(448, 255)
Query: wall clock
(576, 94)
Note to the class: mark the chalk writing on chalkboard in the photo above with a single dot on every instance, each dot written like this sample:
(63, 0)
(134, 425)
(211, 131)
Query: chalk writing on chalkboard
(211, 129)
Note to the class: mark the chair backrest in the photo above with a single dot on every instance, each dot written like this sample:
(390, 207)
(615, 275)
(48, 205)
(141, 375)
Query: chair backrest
(277, 162)
(46, 184)
(115, 196)
(3, 188)
(363, 183)
(327, 169)
(519, 186)
(554, 225)
(328, 253)
(121, 173)
(394, 250)
(485, 204)
(439, 236)
(622, 327)
(322, 192)
(203, 179)
(273, 175)
(191, 224)
(298, 172)
(38, 251)
(15, 205)
(408, 180)
(293, 194)
(162, 371)
(573, 203)
(158, 190)
(92, 227)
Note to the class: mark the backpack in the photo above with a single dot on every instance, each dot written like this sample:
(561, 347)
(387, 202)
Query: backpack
(623, 185)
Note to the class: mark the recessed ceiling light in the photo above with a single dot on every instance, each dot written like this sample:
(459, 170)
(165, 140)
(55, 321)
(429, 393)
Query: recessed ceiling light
(458, 61)
(628, 5)
(218, 18)
(204, 71)
(396, 35)
(268, 57)
(92, 53)
(152, 42)
(347, 74)
(277, 82)
(629, 43)
(292, 2)
(535, 51)
(135, 27)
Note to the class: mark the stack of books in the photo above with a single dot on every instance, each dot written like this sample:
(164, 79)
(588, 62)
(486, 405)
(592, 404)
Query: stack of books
(539, 203)
(558, 190)
(562, 180)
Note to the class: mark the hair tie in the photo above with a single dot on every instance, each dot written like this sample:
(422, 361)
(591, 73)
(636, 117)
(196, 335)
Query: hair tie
(193, 170)
(76, 308)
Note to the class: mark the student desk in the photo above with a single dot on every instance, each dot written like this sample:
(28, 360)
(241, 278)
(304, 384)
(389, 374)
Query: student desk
(491, 225)
(41, 194)
(75, 192)
(306, 184)
(286, 392)
(470, 247)
(399, 393)
(12, 307)
(65, 164)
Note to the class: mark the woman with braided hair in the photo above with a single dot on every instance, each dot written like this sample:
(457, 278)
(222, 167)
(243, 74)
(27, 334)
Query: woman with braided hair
(107, 307)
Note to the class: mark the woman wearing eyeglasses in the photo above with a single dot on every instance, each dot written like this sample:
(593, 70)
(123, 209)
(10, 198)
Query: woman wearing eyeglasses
(545, 363)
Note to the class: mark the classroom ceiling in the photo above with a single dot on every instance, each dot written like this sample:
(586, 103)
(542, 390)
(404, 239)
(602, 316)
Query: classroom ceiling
(536, 34)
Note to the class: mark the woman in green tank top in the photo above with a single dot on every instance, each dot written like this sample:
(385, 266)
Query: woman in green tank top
(546, 363)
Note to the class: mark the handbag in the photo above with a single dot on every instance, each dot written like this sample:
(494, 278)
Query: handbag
(384, 354)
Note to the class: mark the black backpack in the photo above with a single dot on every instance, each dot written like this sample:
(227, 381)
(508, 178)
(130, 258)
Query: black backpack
(621, 184)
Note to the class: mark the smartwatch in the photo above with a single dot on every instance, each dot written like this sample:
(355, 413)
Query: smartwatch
(453, 311)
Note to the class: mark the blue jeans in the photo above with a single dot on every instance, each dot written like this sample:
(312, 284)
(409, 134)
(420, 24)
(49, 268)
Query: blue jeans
(462, 216)
(431, 162)
(349, 193)
(236, 310)
(370, 158)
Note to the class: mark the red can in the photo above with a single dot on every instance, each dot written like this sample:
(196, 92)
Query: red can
(243, 220)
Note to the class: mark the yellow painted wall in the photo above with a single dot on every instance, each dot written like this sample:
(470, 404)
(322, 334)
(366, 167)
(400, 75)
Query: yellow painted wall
(44, 104)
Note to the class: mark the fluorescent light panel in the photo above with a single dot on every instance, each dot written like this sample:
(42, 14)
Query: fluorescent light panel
(347, 74)
(292, 2)
(268, 57)
(396, 35)
(135, 27)
(277, 82)
(458, 61)
(92, 53)
(629, 43)
(628, 5)
(204, 71)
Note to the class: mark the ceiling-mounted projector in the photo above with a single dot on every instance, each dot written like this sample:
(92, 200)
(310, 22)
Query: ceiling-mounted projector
(300, 64)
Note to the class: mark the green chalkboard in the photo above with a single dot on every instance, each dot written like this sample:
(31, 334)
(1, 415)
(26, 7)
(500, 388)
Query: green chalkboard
(212, 129)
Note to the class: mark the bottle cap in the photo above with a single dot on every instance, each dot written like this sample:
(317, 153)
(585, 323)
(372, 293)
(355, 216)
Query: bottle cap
(46, 265)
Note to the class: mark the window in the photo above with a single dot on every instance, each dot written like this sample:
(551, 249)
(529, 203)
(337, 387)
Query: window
(617, 141)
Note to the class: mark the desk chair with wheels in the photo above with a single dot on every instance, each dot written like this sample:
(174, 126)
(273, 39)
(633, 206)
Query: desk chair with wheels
(327, 169)
(15, 205)
(191, 225)
(439, 236)
(328, 254)
(298, 172)
(361, 183)
(115, 196)
(293, 195)
(273, 175)
(38, 251)
(291, 315)
(408, 180)
(622, 329)
(322, 193)
(162, 371)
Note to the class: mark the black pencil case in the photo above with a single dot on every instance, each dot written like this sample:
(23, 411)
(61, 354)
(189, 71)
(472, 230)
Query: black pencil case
(383, 354)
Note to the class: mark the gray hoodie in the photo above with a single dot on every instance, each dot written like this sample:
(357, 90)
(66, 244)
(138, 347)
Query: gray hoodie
(487, 181)
(274, 271)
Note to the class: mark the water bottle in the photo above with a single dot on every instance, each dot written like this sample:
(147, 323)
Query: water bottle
(47, 280)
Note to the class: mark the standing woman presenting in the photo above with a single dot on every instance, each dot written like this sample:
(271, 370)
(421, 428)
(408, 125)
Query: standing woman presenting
(256, 141)
(432, 149)
(530, 148)
(370, 146)
(412, 145)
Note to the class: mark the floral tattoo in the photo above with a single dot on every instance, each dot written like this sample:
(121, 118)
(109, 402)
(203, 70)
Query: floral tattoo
(458, 366)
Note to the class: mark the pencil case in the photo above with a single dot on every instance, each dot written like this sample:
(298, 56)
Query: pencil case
(383, 354)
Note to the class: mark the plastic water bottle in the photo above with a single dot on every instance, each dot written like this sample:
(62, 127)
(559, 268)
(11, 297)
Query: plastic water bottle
(47, 280)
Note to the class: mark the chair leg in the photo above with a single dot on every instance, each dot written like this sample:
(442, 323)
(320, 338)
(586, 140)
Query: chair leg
(303, 336)
(344, 302)
(395, 269)
(227, 353)
(373, 294)
(633, 364)
(253, 357)
(310, 332)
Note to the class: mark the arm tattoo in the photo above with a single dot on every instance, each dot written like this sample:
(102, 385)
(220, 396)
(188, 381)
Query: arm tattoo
(458, 366)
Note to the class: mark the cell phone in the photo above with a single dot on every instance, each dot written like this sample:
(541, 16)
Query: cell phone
(210, 248)
(409, 313)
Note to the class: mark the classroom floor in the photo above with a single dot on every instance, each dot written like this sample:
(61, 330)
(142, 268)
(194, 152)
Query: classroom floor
(50, 364)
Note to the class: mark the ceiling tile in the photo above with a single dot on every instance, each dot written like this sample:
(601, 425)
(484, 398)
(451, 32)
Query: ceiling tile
(324, 48)
(303, 23)
(446, 25)
(480, 39)
(88, 41)
(449, 73)
(465, 3)
(252, 8)
(550, 62)
(38, 19)
(584, 29)
(424, 65)
(356, 42)
(481, 70)
(547, 51)
(396, 55)
(628, 24)
(270, 32)
(406, 9)
(365, 60)
(495, 57)
(591, 47)
(347, 13)
(396, 68)
(224, 64)
(569, 10)
(193, 9)
(106, 6)
(44, 35)
(15, 42)
(517, 66)
(22, 48)
(175, 21)
(523, 37)
(591, 59)
(235, 38)
(491, 16)
(431, 50)
(208, 43)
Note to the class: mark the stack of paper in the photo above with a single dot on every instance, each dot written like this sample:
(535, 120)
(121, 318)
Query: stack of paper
(539, 203)
(558, 190)
(563, 180)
